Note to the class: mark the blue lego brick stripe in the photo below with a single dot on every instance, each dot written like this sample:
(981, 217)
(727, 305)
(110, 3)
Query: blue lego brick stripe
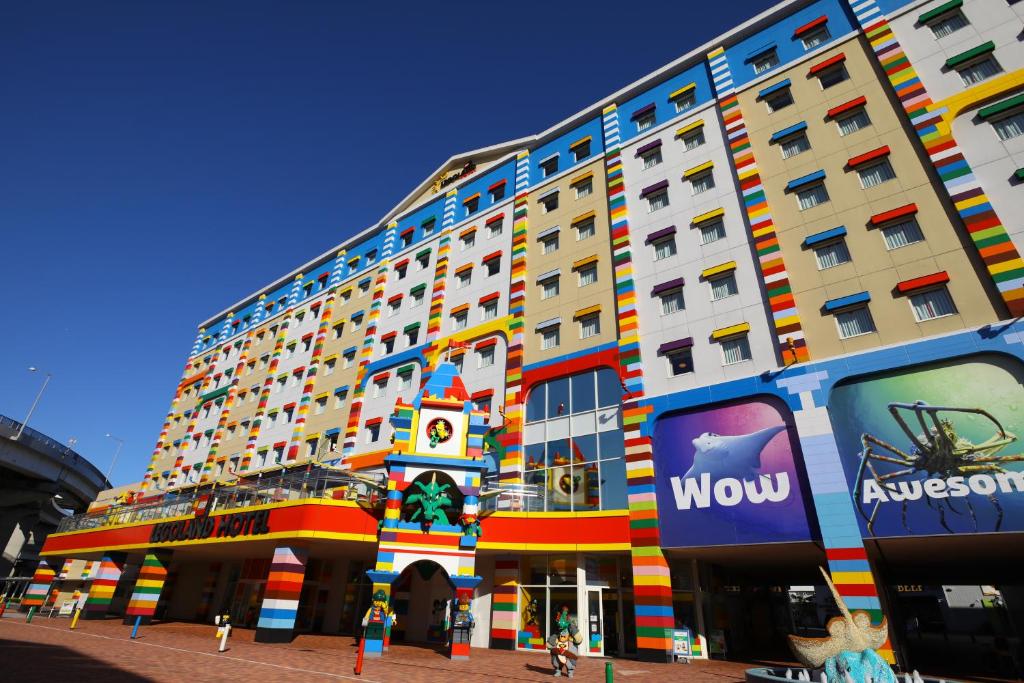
(821, 456)
(857, 602)
(849, 565)
(654, 610)
(286, 623)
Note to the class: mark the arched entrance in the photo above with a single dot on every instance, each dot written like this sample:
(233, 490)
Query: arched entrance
(421, 597)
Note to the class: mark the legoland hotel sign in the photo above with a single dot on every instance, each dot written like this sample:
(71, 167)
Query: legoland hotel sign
(200, 527)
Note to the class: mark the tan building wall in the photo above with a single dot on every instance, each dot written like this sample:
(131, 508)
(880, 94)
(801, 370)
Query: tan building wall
(571, 297)
(872, 267)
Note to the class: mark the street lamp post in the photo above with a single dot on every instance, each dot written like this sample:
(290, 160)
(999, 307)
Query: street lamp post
(34, 404)
(117, 452)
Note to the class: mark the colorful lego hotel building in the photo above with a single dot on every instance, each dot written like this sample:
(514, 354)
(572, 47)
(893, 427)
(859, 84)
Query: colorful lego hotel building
(755, 313)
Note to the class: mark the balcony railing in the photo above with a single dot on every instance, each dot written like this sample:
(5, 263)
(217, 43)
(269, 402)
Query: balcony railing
(301, 485)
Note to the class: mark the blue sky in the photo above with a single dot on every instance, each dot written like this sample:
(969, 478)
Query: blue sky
(161, 160)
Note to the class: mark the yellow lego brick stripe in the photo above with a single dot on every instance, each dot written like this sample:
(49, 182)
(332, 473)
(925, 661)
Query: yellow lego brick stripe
(860, 578)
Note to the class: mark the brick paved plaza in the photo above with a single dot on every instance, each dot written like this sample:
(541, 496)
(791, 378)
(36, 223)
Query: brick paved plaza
(178, 652)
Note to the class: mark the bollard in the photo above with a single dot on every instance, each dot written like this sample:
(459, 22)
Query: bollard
(359, 656)
(135, 629)
(224, 638)
(609, 674)
(31, 613)
(74, 619)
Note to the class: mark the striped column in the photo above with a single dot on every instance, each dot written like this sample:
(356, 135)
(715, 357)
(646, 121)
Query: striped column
(785, 317)
(310, 381)
(511, 466)
(102, 586)
(148, 586)
(161, 441)
(225, 413)
(652, 585)
(186, 440)
(39, 589)
(281, 597)
(986, 230)
(504, 604)
(268, 384)
(840, 532)
(356, 409)
(437, 298)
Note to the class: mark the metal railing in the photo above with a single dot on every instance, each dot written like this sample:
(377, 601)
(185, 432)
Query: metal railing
(259, 490)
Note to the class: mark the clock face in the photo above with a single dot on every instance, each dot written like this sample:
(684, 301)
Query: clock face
(439, 431)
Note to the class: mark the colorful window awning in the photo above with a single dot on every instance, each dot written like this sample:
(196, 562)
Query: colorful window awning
(718, 270)
(873, 155)
(660, 234)
(589, 310)
(846, 106)
(730, 331)
(676, 345)
(894, 214)
(827, 64)
(666, 287)
(825, 236)
(907, 286)
(964, 57)
(833, 305)
(788, 131)
(810, 26)
(686, 89)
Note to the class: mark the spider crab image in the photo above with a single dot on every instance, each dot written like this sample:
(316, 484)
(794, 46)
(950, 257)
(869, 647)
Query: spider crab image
(936, 451)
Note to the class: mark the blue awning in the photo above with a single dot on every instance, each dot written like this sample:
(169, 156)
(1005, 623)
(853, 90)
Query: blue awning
(786, 132)
(804, 180)
(833, 305)
(781, 85)
(825, 236)
(759, 51)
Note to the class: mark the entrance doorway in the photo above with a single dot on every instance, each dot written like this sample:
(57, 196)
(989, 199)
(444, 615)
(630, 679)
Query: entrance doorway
(421, 596)
(593, 630)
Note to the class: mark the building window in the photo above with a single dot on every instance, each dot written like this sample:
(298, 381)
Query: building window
(387, 346)
(289, 350)
(765, 62)
(794, 144)
(735, 350)
(680, 362)
(833, 76)
(401, 271)
(460, 320)
(590, 326)
(423, 261)
(978, 70)
(339, 400)
(364, 288)
(279, 385)
(494, 228)
(813, 39)
(549, 167)
(492, 266)
(854, 322)
(406, 239)
(405, 381)
(329, 366)
(902, 234)
(320, 405)
(489, 311)
(307, 290)
(472, 205)
(467, 241)
(485, 358)
(702, 182)
(549, 338)
(337, 331)
(357, 322)
(711, 231)
(411, 337)
(463, 279)
(664, 248)
(394, 307)
(875, 174)
(672, 301)
(723, 287)
(779, 100)
(657, 201)
(948, 23)
(379, 387)
(652, 158)
(549, 203)
(264, 360)
(497, 193)
(931, 304)
(482, 404)
(549, 288)
(372, 433)
(346, 360)
(686, 101)
(346, 295)
(580, 151)
(645, 122)
(694, 140)
(1010, 126)
(832, 255)
(811, 196)
(417, 296)
(428, 226)
(549, 244)
(584, 188)
(588, 275)
(585, 229)
(851, 123)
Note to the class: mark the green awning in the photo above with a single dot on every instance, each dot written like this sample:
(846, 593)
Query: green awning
(421, 254)
(216, 393)
(940, 10)
(406, 369)
(959, 59)
(1019, 173)
(999, 107)
(410, 327)
(417, 288)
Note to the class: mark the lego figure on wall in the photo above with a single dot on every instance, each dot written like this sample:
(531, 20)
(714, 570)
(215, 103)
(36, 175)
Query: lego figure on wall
(564, 644)
(462, 625)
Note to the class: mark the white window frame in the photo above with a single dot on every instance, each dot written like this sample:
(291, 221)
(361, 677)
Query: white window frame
(767, 61)
(925, 292)
(805, 191)
(837, 246)
(742, 343)
(670, 242)
(851, 116)
(672, 295)
(584, 321)
(885, 169)
(589, 268)
(550, 338)
(816, 37)
(847, 311)
(659, 195)
(730, 276)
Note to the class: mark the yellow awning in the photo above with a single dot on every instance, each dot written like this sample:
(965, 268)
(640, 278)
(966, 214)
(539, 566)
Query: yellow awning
(584, 262)
(682, 91)
(581, 141)
(699, 123)
(583, 217)
(710, 215)
(730, 331)
(468, 231)
(580, 178)
(587, 311)
(706, 166)
(718, 270)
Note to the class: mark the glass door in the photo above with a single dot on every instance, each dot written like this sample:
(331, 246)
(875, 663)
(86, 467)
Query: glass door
(593, 636)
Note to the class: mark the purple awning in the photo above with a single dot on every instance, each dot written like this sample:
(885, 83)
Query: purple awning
(658, 234)
(676, 345)
(643, 111)
(667, 286)
(654, 188)
(648, 147)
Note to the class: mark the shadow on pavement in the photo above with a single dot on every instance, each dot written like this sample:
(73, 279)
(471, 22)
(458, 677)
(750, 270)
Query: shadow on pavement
(27, 661)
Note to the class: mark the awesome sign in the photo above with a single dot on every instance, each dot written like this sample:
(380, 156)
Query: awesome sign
(254, 523)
